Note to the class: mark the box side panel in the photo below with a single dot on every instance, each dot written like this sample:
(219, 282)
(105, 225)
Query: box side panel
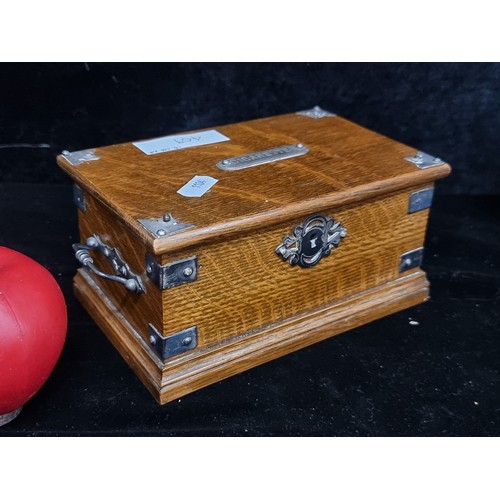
(139, 309)
(243, 285)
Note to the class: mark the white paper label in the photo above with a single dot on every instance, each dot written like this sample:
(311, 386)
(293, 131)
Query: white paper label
(197, 186)
(181, 141)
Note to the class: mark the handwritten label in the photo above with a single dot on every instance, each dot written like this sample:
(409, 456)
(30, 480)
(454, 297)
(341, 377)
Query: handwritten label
(181, 141)
(197, 186)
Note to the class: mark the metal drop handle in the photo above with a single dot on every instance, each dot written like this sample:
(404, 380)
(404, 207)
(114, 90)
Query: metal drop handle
(125, 276)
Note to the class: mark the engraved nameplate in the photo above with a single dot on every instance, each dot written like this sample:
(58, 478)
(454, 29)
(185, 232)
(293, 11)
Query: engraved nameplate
(262, 157)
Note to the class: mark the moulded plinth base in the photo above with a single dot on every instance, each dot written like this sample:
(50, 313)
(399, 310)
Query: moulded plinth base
(184, 374)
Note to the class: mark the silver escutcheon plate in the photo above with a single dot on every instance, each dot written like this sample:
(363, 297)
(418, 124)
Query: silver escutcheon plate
(311, 241)
(262, 157)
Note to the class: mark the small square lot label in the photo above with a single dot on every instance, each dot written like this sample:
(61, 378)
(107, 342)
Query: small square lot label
(197, 186)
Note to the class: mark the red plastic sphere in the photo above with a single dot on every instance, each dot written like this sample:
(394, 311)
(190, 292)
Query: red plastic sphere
(33, 324)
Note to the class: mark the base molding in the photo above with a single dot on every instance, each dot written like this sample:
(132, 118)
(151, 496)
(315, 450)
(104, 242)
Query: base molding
(197, 369)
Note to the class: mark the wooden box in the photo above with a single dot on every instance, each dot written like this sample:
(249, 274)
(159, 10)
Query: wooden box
(210, 252)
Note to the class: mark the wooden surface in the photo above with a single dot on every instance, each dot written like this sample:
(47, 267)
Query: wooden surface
(346, 164)
(386, 378)
(244, 291)
(243, 285)
(197, 369)
(351, 174)
(139, 309)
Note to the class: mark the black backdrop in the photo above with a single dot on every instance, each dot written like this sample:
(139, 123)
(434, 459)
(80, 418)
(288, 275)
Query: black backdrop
(440, 377)
(449, 110)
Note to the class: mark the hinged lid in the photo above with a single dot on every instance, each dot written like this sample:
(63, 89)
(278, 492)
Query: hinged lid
(179, 190)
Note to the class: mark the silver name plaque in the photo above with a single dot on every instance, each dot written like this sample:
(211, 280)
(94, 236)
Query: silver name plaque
(262, 157)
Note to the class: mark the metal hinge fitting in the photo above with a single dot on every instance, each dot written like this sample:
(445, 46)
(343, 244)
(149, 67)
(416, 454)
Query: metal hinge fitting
(173, 274)
(172, 345)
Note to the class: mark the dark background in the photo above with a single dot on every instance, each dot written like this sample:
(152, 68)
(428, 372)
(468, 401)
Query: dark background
(448, 110)
(387, 378)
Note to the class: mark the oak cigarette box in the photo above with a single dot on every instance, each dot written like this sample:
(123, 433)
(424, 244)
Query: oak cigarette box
(209, 252)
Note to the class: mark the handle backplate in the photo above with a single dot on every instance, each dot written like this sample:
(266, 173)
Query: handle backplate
(124, 275)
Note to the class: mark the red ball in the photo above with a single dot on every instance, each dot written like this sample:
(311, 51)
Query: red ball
(33, 324)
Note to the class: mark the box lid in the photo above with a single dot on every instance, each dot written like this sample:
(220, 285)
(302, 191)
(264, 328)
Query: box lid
(305, 163)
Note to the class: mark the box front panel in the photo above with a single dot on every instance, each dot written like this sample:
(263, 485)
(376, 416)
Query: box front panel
(243, 285)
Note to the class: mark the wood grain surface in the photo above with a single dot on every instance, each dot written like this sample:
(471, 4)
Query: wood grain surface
(248, 305)
(346, 164)
(139, 309)
(197, 369)
(242, 284)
